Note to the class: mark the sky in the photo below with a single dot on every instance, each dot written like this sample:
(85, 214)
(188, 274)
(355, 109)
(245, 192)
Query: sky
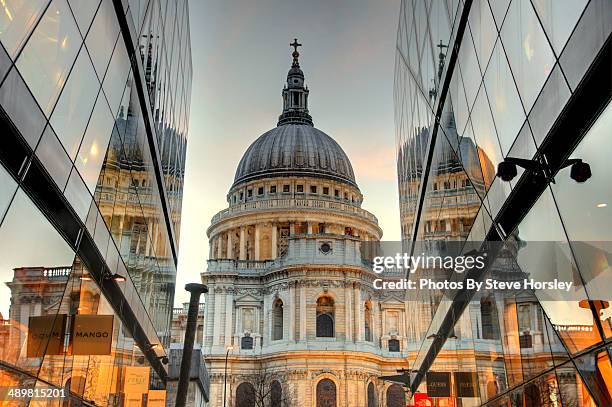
(241, 55)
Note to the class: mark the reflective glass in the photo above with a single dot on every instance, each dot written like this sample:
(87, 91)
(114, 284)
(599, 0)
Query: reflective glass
(588, 220)
(468, 64)
(508, 113)
(75, 104)
(485, 136)
(114, 81)
(545, 255)
(27, 284)
(549, 104)
(47, 57)
(484, 32)
(596, 372)
(17, 19)
(77, 194)
(84, 11)
(529, 53)
(559, 18)
(499, 9)
(93, 148)
(588, 37)
(19, 104)
(102, 36)
(7, 190)
(54, 158)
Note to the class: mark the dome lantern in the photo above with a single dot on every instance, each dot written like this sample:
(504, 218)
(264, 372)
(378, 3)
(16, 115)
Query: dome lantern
(295, 93)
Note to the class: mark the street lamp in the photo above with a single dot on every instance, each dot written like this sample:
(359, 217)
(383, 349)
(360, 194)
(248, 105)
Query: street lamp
(229, 348)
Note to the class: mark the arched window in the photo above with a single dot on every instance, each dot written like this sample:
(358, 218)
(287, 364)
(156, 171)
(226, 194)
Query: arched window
(277, 320)
(276, 394)
(326, 393)
(396, 396)
(325, 317)
(488, 316)
(368, 321)
(245, 395)
(394, 345)
(246, 342)
(371, 395)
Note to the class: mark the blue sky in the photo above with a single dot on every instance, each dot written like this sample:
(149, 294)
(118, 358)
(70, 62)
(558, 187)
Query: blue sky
(241, 54)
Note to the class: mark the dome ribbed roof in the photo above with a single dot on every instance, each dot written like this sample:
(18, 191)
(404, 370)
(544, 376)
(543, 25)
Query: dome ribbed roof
(295, 149)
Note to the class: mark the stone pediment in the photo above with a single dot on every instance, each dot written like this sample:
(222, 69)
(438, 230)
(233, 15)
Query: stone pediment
(248, 299)
(392, 301)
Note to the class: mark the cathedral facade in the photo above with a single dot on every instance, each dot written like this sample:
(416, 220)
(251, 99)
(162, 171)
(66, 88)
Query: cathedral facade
(292, 317)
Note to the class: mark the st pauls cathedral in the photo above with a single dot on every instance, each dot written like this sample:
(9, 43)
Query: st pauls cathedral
(290, 302)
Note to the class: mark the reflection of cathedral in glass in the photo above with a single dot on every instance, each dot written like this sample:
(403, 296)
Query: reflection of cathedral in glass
(94, 103)
(510, 79)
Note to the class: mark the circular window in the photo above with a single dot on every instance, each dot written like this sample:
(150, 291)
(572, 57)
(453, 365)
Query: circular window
(325, 248)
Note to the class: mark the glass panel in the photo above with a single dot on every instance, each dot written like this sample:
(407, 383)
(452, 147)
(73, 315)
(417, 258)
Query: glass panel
(559, 18)
(7, 190)
(49, 54)
(17, 19)
(114, 81)
(102, 37)
(587, 219)
(508, 113)
(54, 158)
(529, 53)
(545, 255)
(549, 104)
(483, 31)
(485, 136)
(77, 194)
(499, 8)
(76, 102)
(21, 107)
(34, 262)
(95, 142)
(590, 34)
(596, 372)
(84, 11)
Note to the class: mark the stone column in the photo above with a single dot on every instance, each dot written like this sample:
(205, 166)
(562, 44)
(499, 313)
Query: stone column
(348, 314)
(358, 315)
(309, 230)
(242, 243)
(257, 247)
(220, 246)
(216, 317)
(290, 312)
(229, 316)
(274, 241)
(230, 245)
(291, 228)
(302, 313)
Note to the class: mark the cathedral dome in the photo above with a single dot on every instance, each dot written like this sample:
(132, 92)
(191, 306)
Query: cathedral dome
(295, 149)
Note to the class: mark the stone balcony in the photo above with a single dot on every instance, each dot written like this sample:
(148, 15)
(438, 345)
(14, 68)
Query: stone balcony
(293, 203)
(302, 249)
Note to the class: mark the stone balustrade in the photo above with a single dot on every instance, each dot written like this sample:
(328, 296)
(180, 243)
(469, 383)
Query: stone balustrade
(291, 203)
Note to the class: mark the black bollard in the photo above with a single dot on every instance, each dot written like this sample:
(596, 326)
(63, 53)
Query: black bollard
(192, 318)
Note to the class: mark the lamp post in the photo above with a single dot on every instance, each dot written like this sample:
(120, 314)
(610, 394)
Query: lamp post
(229, 348)
(192, 318)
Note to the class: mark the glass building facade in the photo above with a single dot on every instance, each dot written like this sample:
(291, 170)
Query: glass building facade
(94, 107)
(477, 82)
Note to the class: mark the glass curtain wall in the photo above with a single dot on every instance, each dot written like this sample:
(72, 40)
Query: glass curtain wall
(91, 181)
(518, 65)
